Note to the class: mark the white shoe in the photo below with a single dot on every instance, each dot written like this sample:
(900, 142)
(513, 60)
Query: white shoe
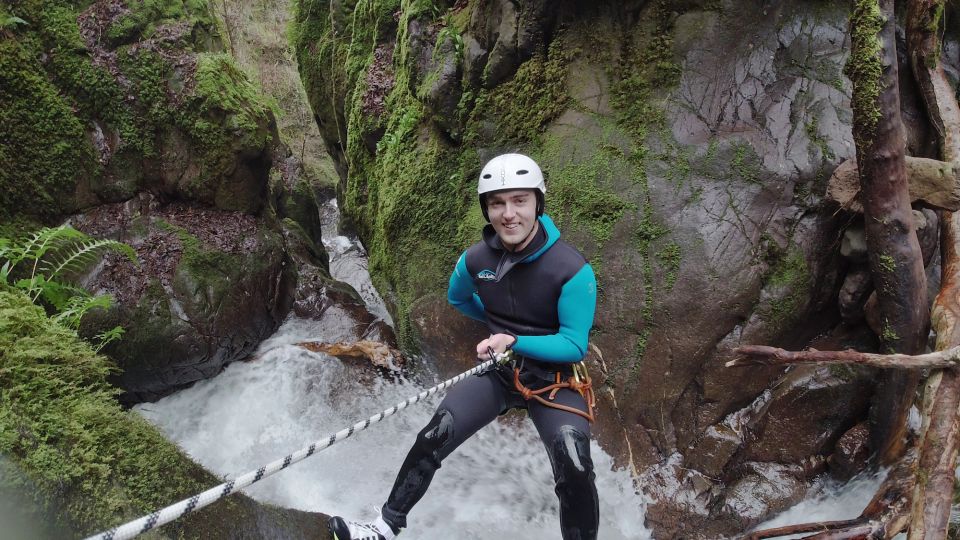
(352, 530)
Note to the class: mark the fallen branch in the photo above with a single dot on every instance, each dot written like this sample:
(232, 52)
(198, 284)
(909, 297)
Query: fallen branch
(769, 356)
(847, 525)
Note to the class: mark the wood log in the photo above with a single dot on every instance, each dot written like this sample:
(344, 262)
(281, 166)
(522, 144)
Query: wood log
(764, 355)
(934, 183)
(895, 260)
(940, 431)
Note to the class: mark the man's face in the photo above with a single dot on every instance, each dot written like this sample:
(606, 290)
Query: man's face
(513, 215)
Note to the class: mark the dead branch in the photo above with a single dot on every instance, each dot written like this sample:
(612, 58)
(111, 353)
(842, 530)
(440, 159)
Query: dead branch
(769, 356)
(379, 354)
(819, 527)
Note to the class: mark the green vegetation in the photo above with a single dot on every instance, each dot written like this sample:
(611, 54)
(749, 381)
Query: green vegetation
(789, 274)
(86, 463)
(865, 68)
(887, 263)
(52, 257)
(56, 101)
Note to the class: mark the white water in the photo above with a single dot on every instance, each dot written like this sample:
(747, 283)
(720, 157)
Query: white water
(498, 484)
(833, 502)
(348, 260)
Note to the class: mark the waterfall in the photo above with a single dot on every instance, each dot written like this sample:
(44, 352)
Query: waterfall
(497, 484)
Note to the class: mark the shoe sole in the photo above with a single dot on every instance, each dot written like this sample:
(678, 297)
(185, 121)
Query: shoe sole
(338, 528)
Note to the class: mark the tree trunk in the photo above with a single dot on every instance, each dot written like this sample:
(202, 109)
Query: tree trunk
(896, 265)
(933, 494)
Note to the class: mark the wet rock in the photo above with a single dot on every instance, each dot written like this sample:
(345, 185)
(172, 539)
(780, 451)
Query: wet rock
(797, 425)
(853, 246)
(435, 77)
(761, 490)
(209, 286)
(683, 495)
(851, 452)
(857, 286)
(510, 33)
(928, 232)
(445, 335)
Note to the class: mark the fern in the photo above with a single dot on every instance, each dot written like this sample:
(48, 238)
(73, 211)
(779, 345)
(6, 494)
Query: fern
(55, 256)
(79, 256)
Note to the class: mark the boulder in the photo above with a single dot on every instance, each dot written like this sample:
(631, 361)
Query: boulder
(208, 287)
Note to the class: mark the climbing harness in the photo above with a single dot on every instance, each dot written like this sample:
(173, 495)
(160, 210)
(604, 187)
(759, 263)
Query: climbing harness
(198, 501)
(579, 381)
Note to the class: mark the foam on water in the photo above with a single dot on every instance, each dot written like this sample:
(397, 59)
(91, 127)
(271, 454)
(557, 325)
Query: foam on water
(498, 484)
(835, 501)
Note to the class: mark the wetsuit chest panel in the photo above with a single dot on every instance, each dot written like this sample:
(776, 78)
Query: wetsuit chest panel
(524, 299)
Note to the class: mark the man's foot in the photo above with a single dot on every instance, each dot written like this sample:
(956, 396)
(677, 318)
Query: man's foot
(351, 530)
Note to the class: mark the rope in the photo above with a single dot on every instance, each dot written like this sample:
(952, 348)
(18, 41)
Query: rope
(198, 501)
(584, 387)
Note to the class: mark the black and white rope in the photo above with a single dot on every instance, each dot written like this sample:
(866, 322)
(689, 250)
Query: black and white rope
(184, 507)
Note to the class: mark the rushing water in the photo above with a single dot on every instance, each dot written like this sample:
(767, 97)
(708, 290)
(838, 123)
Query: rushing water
(498, 484)
(834, 501)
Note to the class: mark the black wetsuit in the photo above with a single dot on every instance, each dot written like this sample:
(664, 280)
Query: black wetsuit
(545, 295)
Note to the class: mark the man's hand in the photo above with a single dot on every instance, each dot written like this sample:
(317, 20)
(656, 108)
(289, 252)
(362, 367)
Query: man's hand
(498, 342)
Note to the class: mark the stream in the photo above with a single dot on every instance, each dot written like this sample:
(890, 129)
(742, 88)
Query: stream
(497, 484)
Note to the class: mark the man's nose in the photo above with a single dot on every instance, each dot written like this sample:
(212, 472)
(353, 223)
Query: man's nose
(509, 210)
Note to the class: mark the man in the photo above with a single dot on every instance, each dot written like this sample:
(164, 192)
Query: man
(537, 295)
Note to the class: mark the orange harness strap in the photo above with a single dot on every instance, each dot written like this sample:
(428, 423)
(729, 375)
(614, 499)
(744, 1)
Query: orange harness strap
(584, 387)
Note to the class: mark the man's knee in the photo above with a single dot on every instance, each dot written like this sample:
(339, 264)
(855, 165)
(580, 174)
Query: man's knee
(437, 435)
(570, 457)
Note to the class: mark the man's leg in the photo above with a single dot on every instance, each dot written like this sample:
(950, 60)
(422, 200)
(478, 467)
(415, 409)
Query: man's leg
(468, 406)
(566, 437)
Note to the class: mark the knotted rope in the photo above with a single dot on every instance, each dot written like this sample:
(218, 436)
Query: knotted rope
(580, 382)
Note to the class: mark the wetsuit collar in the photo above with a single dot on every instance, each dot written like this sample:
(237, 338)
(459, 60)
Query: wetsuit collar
(546, 235)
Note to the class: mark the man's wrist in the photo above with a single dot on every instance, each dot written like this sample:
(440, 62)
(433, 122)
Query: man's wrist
(512, 343)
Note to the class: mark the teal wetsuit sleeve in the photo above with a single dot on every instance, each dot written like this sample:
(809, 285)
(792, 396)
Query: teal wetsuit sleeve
(462, 293)
(575, 309)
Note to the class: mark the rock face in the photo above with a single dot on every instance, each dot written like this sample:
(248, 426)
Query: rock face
(210, 285)
(166, 145)
(687, 148)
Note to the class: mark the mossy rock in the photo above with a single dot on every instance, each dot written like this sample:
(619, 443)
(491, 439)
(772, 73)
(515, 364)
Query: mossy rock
(73, 457)
(87, 121)
(209, 287)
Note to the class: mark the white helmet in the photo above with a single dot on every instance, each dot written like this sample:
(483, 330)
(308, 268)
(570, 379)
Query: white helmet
(511, 171)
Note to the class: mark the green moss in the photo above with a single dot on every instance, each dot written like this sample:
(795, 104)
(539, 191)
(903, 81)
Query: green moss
(90, 463)
(887, 263)
(581, 192)
(45, 151)
(145, 16)
(889, 335)
(670, 257)
(865, 69)
(537, 94)
(745, 164)
(790, 274)
(812, 128)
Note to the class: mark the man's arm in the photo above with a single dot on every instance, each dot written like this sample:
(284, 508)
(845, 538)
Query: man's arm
(462, 293)
(575, 309)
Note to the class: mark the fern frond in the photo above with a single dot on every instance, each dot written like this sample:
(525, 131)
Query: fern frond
(47, 239)
(80, 255)
(78, 306)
